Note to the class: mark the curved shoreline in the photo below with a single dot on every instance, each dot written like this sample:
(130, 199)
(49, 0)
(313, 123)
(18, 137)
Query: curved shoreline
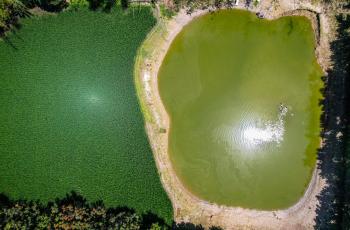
(188, 207)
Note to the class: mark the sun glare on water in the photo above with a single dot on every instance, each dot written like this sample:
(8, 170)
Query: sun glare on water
(251, 135)
(257, 136)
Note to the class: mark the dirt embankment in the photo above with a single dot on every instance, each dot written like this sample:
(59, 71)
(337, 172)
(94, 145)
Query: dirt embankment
(188, 207)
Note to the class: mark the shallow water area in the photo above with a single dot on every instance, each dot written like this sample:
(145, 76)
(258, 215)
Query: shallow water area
(242, 95)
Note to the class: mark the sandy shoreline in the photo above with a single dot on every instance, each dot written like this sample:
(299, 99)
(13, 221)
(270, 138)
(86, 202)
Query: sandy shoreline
(188, 207)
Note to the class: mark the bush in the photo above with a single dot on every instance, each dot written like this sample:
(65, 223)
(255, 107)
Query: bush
(76, 4)
(106, 5)
(47, 5)
(125, 3)
(10, 12)
(70, 212)
(166, 12)
(74, 212)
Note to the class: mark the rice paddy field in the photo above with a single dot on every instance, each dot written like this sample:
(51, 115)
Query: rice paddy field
(70, 118)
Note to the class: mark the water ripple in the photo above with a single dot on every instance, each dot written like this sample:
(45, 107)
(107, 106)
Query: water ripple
(253, 134)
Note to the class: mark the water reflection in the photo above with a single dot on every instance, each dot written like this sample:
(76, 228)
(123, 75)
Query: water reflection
(270, 131)
(233, 138)
(254, 135)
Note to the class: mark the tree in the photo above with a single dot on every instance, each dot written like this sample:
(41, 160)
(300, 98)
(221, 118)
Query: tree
(125, 4)
(74, 212)
(48, 5)
(10, 12)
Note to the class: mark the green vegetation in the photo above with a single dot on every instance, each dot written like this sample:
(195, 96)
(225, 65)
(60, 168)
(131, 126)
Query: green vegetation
(342, 50)
(48, 5)
(45, 49)
(10, 12)
(77, 4)
(333, 211)
(165, 11)
(71, 212)
(346, 208)
(124, 3)
(69, 111)
(200, 4)
(146, 52)
(74, 212)
(106, 5)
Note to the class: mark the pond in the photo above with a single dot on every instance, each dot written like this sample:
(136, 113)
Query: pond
(243, 97)
(70, 118)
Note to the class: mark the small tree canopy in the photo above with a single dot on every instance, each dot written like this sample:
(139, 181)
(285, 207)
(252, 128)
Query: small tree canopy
(125, 3)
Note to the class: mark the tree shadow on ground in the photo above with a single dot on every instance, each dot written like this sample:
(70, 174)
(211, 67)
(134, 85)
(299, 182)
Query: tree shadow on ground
(190, 226)
(106, 5)
(334, 122)
(74, 211)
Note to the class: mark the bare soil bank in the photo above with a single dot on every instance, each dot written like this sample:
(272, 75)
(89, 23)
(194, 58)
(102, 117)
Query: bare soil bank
(186, 206)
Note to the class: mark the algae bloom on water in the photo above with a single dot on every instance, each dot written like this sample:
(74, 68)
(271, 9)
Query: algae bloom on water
(70, 118)
(243, 99)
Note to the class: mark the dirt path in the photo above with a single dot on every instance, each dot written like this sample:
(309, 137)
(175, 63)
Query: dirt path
(186, 206)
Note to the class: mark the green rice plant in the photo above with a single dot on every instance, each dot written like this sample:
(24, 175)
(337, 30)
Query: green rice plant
(71, 117)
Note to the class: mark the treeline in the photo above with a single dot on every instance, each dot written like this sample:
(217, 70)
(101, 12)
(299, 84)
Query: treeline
(12, 10)
(170, 7)
(106, 5)
(59, 5)
(47, 5)
(333, 211)
(191, 5)
(345, 41)
(74, 212)
(207, 3)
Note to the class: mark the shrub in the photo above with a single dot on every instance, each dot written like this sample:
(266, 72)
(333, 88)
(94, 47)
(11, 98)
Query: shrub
(166, 12)
(10, 12)
(76, 4)
(124, 4)
(47, 5)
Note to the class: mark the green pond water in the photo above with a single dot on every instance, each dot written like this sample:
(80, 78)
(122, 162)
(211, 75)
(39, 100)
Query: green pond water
(70, 118)
(242, 94)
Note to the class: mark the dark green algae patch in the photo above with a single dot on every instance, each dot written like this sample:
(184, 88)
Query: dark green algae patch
(243, 99)
(70, 118)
